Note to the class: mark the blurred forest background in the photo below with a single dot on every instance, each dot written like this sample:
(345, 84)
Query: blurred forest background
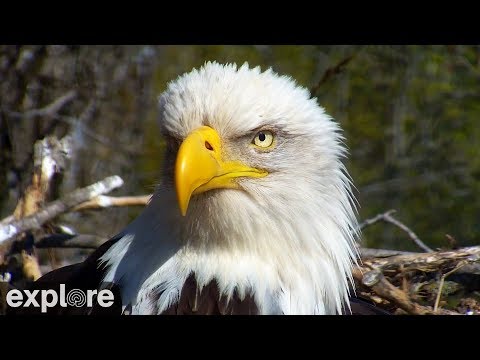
(410, 116)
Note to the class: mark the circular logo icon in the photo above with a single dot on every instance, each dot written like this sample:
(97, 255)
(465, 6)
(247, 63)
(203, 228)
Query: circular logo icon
(76, 297)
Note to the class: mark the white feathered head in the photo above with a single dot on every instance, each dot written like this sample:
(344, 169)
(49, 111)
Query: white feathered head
(256, 165)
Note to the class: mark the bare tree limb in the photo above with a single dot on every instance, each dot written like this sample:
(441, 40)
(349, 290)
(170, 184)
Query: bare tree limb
(102, 201)
(387, 217)
(50, 110)
(57, 207)
(70, 241)
(76, 122)
(411, 234)
(49, 158)
(331, 71)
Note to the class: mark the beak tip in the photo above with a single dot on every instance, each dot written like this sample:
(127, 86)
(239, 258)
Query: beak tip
(183, 205)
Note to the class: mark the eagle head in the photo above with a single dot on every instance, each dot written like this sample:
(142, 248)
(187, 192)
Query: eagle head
(254, 196)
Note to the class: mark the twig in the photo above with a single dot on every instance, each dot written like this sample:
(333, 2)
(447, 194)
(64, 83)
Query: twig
(70, 241)
(375, 280)
(442, 281)
(411, 234)
(57, 207)
(375, 219)
(367, 253)
(50, 110)
(333, 70)
(102, 201)
(452, 242)
(76, 122)
(390, 219)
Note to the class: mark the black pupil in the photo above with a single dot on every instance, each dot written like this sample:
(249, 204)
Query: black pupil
(261, 136)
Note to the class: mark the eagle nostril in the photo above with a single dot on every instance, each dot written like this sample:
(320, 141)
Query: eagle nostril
(208, 146)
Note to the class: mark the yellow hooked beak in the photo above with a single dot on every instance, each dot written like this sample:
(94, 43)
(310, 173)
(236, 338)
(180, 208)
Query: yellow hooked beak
(200, 167)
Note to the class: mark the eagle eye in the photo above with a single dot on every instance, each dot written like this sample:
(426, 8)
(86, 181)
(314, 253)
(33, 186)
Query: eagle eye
(263, 139)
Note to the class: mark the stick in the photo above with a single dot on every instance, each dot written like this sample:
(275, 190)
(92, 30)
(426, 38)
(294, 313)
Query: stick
(333, 70)
(386, 216)
(102, 201)
(57, 207)
(50, 110)
(367, 253)
(442, 281)
(49, 158)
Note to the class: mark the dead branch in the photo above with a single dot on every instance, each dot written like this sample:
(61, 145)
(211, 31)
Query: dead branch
(102, 201)
(49, 111)
(329, 72)
(375, 219)
(367, 253)
(387, 217)
(452, 242)
(57, 207)
(426, 262)
(49, 158)
(374, 280)
(411, 234)
(70, 241)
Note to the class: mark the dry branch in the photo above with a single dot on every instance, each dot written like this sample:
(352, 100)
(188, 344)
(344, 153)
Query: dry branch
(426, 262)
(367, 253)
(49, 111)
(49, 158)
(101, 202)
(331, 71)
(387, 217)
(57, 207)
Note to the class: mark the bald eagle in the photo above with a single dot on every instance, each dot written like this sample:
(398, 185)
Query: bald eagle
(254, 213)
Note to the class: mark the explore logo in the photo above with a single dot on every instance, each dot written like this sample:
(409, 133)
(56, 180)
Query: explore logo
(45, 299)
